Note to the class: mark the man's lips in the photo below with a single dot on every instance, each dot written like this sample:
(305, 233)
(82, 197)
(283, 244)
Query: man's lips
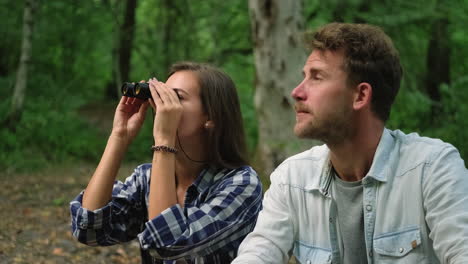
(300, 110)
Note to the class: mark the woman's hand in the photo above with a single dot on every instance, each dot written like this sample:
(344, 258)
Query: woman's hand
(168, 112)
(128, 118)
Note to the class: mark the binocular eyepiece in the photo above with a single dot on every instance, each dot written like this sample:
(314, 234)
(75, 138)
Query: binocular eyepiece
(138, 90)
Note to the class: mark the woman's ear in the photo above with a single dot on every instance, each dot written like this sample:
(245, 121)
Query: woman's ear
(209, 125)
(362, 96)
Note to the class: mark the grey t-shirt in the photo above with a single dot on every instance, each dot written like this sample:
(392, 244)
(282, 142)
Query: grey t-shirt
(348, 197)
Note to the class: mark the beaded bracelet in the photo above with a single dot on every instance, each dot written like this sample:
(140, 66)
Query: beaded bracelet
(164, 149)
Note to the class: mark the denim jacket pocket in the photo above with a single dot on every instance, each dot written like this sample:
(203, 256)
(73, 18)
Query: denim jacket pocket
(398, 244)
(307, 254)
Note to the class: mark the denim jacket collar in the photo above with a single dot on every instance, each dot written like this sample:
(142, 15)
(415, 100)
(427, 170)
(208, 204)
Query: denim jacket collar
(384, 158)
(326, 176)
(379, 169)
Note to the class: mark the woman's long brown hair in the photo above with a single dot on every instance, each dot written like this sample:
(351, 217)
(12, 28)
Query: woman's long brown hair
(226, 140)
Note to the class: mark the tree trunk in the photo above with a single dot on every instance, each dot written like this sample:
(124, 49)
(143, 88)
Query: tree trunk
(279, 57)
(122, 52)
(167, 42)
(19, 90)
(438, 61)
(126, 40)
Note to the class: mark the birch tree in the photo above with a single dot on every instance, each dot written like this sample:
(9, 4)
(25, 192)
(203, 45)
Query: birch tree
(19, 89)
(279, 53)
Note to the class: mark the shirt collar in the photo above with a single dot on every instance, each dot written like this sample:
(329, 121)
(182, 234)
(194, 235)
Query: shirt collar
(383, 158)
(326, 176)
(380, 168)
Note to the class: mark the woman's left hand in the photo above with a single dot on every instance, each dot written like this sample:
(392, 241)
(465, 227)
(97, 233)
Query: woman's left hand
(168, 112)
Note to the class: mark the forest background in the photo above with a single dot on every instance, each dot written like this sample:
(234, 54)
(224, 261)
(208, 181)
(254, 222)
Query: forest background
(81, 52)
(62, 63)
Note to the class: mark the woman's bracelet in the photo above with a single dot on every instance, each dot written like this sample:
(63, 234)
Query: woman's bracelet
(164, 149)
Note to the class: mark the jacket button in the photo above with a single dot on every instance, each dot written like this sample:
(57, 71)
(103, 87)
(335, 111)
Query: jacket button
(369, 207)
(401, 250)
(308, 261)
(371, 254)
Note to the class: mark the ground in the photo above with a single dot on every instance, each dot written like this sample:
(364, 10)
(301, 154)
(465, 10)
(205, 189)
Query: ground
(35, 219)
(34, 210)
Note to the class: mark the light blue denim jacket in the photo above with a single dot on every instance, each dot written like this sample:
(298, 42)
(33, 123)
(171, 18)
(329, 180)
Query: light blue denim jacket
(415, 206)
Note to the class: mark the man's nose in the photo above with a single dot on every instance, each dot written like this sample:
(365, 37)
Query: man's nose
(298, 93)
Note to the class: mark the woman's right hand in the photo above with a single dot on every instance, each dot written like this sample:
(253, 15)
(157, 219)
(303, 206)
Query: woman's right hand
(128, 118)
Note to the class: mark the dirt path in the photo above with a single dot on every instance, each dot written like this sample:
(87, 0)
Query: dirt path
(35, 220)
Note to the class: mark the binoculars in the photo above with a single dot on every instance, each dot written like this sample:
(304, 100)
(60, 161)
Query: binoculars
(138, 90)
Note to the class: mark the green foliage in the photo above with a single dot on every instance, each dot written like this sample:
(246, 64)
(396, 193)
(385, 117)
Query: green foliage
(48, 132)
(452, 122)
(412, 113)
(61, 201)
(72, 63)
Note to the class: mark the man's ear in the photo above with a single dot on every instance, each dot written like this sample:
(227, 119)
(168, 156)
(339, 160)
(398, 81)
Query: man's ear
(362, 96)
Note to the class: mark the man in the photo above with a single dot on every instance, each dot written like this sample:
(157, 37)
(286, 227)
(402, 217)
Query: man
(369, 195)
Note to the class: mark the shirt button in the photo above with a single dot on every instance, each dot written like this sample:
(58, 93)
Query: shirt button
(369, 207)
(308, 261)
(371, 254)
(401, 250)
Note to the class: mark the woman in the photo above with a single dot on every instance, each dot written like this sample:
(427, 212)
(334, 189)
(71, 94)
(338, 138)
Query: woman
(198, 198)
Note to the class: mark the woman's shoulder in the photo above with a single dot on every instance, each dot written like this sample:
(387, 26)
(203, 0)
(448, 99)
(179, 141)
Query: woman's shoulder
(242, 175)
(245, 171)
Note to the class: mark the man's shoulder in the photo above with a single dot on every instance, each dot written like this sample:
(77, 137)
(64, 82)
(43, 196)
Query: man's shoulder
(312, 154)
(303, 168)
(423, 145)
(414, 148)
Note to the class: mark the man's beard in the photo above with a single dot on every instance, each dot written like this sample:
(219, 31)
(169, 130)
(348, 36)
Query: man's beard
(332, 129)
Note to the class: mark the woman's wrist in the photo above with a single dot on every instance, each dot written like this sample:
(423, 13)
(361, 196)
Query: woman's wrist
(169, 141)
(120, 138)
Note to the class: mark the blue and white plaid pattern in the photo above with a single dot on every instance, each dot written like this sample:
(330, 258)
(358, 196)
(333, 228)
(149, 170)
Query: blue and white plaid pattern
(220, 209)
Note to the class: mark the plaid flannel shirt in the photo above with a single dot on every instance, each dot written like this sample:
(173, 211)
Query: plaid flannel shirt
(220, 209)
